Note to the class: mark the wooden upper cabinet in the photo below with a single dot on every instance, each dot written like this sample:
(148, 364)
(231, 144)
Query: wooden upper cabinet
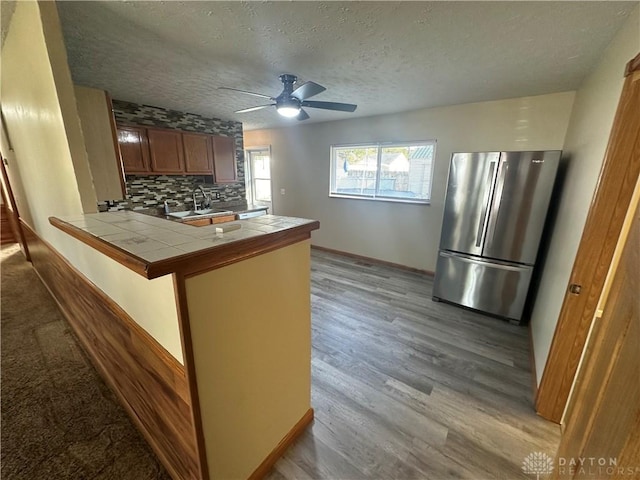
(224, 159)
(198, 153)
(156, 151)
(166, 151)
(134, 149)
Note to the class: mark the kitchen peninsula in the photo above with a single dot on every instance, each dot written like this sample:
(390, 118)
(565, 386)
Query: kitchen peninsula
(243, 307)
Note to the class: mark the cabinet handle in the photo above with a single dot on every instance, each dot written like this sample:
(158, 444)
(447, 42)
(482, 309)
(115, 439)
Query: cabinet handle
(575, 289)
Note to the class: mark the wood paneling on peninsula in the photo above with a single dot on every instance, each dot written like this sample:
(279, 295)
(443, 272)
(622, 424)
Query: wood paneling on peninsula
(149, 382)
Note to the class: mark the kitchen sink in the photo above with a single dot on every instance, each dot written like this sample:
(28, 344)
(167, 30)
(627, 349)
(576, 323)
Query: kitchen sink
(183, 214)
(207, 212)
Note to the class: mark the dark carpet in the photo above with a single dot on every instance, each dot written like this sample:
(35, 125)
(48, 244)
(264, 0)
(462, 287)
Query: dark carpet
(59, 419)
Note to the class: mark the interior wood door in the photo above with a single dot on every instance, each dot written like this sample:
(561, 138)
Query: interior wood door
(134, 149)
(611, 201)
(224, 159)
(198, 153)
(7, 232)
(603, 420)
(12, 209)
(166, 151)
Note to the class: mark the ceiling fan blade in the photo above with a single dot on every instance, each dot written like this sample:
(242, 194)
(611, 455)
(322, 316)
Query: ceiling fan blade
(248, 93)
(253, 109)
(307, 90)
(302, 115)
(342, 107)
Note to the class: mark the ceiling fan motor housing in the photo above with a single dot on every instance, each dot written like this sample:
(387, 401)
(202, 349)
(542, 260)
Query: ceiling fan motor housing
(285, 100)
(288, 80)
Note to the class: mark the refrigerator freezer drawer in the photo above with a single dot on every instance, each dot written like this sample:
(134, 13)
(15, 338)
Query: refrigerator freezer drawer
(494, 288)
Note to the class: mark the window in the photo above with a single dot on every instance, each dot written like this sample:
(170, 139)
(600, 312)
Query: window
(258, 176)
(396, 172)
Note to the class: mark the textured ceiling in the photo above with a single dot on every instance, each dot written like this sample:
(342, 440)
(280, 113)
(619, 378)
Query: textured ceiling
(384, 56)
(7, 8)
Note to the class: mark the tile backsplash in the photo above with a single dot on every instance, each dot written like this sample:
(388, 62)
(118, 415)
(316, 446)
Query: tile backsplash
(148, 191)
(152, 191)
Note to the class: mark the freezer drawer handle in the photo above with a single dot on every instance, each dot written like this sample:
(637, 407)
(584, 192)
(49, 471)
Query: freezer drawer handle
(477, 261)
(575, 289)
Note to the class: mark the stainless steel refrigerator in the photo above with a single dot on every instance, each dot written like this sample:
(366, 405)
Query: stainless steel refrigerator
(495, 209)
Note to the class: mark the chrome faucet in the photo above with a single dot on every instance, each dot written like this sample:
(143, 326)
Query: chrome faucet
(207, 198)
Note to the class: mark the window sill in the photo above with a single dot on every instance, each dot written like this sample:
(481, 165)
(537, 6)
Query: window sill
(381, 199)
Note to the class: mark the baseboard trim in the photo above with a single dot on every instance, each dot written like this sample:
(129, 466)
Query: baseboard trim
(532, 361)
(284, 444)
(373, 260)
(149, 382)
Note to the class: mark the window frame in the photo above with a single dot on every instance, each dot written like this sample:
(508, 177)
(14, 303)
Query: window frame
(379, 146)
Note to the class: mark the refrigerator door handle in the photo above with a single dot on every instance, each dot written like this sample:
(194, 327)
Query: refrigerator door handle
(482, 226)
(499, 187)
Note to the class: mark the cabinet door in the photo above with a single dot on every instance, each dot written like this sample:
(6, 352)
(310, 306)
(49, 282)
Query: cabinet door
(198, 153)
(223, 219)
(224, 159)
(201, 222)
(134, 149)
(166, 151)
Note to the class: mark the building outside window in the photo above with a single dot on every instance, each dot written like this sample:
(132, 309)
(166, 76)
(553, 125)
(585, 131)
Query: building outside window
(393, 172)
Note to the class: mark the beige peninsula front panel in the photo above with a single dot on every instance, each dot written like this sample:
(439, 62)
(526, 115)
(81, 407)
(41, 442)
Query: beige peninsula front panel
(251, 335)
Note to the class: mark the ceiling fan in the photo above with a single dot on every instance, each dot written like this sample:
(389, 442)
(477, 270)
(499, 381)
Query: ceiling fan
(290, 102)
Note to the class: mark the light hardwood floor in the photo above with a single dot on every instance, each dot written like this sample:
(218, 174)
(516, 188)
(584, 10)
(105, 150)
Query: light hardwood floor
(407, 388)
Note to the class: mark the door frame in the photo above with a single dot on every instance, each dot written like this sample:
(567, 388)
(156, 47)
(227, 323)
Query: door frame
(614, 190)
(603, 415)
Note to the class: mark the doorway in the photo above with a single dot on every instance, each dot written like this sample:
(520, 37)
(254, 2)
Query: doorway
(258, 177)
(618, 176)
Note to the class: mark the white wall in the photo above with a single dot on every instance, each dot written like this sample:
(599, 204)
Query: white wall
(48, 166)
(405, 234)
(585, 145)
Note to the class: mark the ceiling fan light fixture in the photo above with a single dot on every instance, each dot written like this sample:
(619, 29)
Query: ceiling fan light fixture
(288, 107)
(288, 111)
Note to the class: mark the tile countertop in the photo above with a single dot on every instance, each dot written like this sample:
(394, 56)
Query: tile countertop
(243, 208)
(147, 239)
(224, 209)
